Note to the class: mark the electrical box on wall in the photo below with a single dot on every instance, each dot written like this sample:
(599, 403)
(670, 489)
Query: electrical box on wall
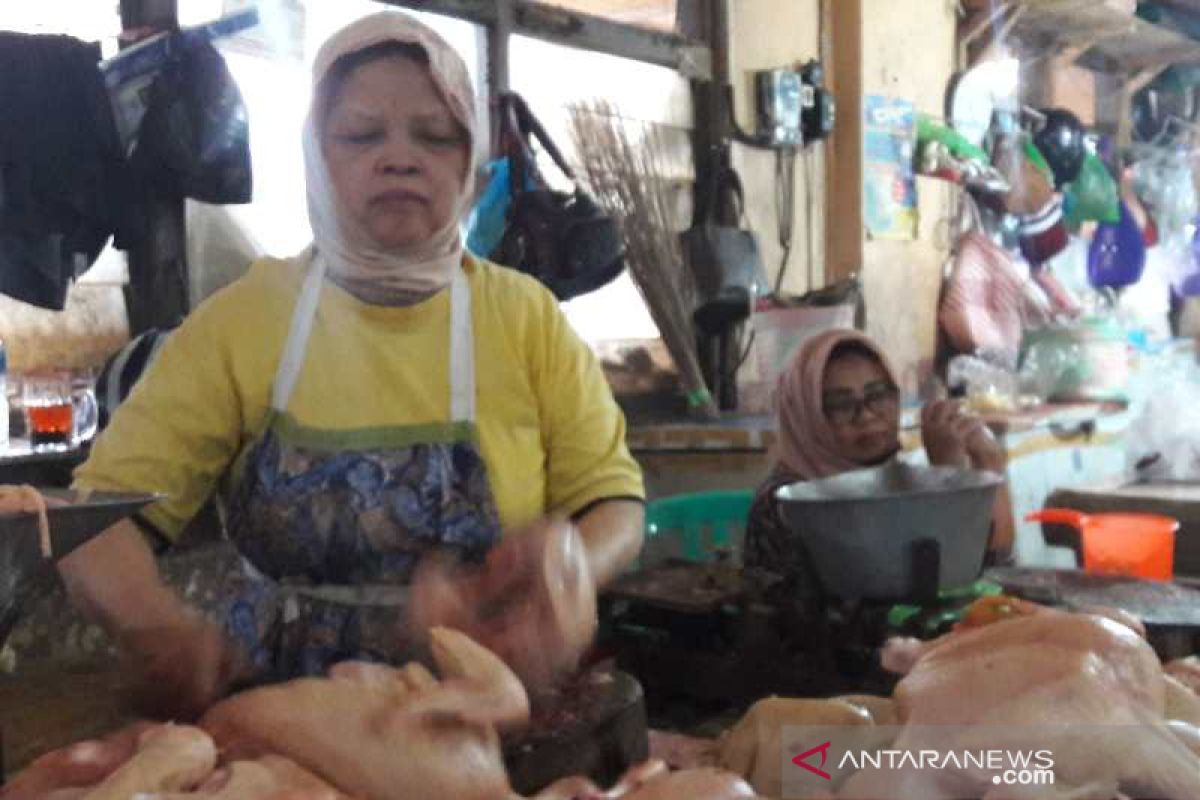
(820, 114)
(781, 99)
(794, 107)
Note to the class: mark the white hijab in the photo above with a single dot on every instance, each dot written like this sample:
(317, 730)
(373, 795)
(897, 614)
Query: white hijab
(401, 275)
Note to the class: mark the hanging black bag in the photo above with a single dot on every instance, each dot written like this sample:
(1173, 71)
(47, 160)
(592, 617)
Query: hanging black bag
(564, 239)
(195, 137)
(723, 258)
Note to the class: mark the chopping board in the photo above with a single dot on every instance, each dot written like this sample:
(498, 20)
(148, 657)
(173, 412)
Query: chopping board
(1156, 603)
(46, 706)
(596, 727)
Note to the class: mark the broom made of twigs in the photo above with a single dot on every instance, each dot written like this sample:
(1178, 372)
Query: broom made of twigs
(629, 182)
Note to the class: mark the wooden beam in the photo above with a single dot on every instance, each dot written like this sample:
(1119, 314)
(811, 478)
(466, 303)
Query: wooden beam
(693, 20)
(157, 293)
(481, 12)
(1133, 84)
(585, 31)
(498, 34)
(710, 103)
(844, 149)
(979, 24)
(496, 37)
(160, 14)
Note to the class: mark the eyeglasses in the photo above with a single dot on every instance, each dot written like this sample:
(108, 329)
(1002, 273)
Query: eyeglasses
(881, 401)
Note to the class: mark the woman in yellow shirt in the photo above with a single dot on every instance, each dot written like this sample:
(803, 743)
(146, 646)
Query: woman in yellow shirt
(381, 397)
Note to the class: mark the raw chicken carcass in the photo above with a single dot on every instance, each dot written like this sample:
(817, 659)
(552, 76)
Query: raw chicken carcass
(1186, 671)
(480, 687)
(1116, 615)
(1180, 702)
(881, 709)
(81, 765)
(900, 653)
(684, 752)
(373, 738)
(652, 780)
(268, 778)
(1085, 688)
(168, 758)
(754, 748)
(707, 783)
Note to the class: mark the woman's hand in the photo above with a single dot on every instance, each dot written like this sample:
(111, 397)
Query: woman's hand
(954, 438)
(533, 603)
(179, 670)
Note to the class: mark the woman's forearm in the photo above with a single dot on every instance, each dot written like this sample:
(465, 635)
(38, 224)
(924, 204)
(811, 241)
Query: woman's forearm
(114, 580)
(1004, 526)
(612, 531)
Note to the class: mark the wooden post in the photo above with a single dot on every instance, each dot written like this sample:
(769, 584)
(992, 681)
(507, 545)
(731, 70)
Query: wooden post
(710, 102)
(157, 293)
(498, 33)
(1134, 83)
(844, 149)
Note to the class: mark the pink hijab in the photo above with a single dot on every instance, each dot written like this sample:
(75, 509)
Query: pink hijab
(354, 260)
(807, 447)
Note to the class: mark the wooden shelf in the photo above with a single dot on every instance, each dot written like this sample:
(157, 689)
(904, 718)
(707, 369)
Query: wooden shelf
(1114, 41)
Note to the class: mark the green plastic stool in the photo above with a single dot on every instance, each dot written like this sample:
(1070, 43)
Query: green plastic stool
(696, 526)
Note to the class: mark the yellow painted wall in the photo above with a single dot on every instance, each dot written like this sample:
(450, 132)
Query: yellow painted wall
(908, 51)
(765, 34)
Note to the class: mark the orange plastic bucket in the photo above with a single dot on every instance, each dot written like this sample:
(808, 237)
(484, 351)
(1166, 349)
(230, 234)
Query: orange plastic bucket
(1139, 545)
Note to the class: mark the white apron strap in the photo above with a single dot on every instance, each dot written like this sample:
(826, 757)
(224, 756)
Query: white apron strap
(297, 341)
(462, 350)
(462, 344)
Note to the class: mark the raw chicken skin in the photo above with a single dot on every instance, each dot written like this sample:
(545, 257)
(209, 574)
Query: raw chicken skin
(1086, 688)
(367, 733)
(168, 758)
(83, 764)
(707, 783)
(754, 748)
(1186, 671)
(268, 778)
(652, 780)
(1021, 656)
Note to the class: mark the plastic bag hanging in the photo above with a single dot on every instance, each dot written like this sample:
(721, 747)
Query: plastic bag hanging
(1117, 256)
(564, 239)
(195, 136)
(1187, 282)
(1093, 195)
(489, 218)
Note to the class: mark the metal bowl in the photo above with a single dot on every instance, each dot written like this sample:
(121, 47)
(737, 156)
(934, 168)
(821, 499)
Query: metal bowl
(896, 532)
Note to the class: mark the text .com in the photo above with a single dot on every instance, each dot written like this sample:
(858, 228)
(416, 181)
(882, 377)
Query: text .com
(1024, 777)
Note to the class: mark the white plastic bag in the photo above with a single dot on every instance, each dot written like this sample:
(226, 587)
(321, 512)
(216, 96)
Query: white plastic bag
(1163, 443)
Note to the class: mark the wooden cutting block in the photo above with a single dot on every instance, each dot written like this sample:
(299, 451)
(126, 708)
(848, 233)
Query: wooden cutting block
(595, 727)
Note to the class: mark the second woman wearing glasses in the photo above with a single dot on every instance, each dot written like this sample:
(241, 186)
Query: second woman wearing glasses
(839, 410)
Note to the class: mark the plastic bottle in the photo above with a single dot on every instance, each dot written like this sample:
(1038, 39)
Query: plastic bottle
(3, 398)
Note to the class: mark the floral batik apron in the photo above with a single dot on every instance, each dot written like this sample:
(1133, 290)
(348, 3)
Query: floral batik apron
(330, 524)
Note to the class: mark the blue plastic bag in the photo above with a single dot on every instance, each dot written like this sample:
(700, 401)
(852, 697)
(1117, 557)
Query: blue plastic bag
(1117, 256)
(489, 218)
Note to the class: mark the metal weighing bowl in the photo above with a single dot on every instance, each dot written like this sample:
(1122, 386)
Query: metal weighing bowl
(896, 532)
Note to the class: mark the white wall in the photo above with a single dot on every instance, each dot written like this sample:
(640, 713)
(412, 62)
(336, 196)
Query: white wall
(908, 51)
(765, 34)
